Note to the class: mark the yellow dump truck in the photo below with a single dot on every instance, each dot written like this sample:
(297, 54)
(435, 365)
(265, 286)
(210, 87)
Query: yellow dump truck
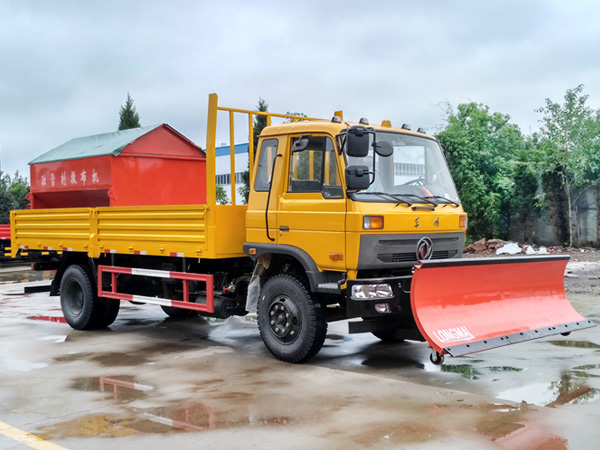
(345, 220)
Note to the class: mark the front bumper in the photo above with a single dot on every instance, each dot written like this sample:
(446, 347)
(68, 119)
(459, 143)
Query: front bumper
(397, 305)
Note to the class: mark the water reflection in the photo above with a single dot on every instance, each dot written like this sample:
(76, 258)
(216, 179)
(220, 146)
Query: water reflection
(574, 344)
(570, 389)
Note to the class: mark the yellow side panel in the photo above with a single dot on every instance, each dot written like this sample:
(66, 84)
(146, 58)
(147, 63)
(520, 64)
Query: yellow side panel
(230, 231)
(41, 229)
(153, 230)
(316, 226)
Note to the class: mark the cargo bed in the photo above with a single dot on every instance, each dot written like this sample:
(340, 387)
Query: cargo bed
(192, 231)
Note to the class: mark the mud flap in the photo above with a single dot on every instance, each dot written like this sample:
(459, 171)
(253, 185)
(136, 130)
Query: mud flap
(469, 305)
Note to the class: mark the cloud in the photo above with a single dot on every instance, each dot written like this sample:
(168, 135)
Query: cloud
(66, 67)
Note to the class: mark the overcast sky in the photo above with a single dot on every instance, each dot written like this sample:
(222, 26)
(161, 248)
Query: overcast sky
(66, 66)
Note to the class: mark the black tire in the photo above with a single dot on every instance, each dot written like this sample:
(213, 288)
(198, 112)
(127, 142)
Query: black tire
(78, 299)
(111, 311)
(292, 324)
(177, 313)
(387, 336)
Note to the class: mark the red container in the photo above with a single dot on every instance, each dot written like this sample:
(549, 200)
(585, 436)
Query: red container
(142, 166)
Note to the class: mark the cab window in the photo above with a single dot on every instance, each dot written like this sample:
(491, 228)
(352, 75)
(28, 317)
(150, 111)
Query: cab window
(315, 169)
(268, 150)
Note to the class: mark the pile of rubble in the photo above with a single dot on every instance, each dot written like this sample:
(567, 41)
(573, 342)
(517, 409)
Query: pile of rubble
(500, 247)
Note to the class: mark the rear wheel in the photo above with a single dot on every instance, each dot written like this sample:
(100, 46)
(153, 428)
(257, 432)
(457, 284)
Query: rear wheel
(291, 323)
(78, 300)
(111, 310)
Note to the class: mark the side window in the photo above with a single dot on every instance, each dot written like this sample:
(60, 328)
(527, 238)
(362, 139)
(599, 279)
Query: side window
(314, 169)
(268, 150)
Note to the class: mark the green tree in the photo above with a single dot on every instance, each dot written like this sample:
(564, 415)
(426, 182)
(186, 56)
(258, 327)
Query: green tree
(260, 122)
(222, 198)
(13, 194)
(128, 116)
(480, 147)
(524, 205)
(569, 147)
(297, 114)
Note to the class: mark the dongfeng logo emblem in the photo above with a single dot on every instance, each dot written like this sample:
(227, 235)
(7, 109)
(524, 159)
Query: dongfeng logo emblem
(424, 249)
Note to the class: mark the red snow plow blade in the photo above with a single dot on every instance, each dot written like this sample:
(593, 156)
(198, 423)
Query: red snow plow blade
(464, 306)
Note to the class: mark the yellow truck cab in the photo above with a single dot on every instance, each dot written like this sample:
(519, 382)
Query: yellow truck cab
(349, 209)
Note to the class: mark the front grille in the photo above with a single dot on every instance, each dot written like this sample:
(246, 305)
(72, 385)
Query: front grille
(410, 257)
(400, 251)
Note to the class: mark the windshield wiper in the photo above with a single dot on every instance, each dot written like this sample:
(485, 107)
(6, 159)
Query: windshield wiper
(421, 199)
(386, 195)
(445, 200)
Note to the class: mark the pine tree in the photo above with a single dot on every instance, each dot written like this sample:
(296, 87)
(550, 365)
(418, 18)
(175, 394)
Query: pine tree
(128, 116)
(260, 122)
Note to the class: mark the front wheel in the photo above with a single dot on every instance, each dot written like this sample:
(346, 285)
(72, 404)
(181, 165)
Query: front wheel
(292, 324)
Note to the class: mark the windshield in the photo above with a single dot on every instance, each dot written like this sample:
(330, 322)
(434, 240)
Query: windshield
(416, 172)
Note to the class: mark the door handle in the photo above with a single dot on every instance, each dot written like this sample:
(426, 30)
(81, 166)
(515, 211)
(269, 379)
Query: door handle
(284, 228)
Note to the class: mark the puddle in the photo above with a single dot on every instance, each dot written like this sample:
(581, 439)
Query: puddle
(587, 367)
(121, 388)
(85, 427)
(186, 417)
(58, 319)
(465, 370)
(570, 389)
(497, 369)
(574, 344)
(469, 372)
(140, 356)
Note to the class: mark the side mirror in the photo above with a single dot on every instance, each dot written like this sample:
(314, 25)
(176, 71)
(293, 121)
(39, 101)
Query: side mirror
(357, 177)
(357, 141)
(300, 144)
(384, 148)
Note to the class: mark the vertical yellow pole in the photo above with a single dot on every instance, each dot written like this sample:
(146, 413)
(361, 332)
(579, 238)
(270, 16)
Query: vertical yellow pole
(211, 136)
(232, 156)
(250, 142)
(326, 171)
(295, 165)
(311, 165)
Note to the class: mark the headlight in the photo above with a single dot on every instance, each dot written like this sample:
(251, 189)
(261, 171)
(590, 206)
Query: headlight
(371, 291)
(373, 222)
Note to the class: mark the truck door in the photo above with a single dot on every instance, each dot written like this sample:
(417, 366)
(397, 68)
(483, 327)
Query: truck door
(312, 210)
(261, 216)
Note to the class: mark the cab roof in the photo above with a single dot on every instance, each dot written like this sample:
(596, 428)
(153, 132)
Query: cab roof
(326, 126)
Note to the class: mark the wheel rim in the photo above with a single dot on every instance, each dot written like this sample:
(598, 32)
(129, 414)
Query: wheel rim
(74, 297)
(284, 320)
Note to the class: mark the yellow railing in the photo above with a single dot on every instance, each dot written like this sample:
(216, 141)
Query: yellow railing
(211, 137)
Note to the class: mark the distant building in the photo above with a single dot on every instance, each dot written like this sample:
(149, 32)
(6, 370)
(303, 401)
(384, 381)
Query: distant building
(223, 168)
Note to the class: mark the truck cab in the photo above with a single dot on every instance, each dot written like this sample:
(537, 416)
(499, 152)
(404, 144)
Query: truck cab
(347, 210)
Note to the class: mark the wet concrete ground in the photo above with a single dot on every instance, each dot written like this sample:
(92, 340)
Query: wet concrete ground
(152, 382)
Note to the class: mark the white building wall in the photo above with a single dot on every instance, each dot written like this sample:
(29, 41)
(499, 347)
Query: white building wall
(222, 166)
